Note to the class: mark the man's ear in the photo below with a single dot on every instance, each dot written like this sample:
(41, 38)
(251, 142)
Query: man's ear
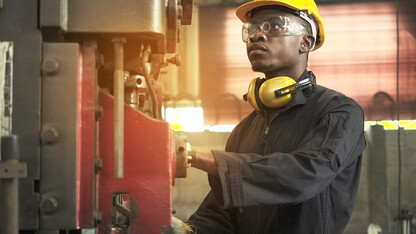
(306, 43)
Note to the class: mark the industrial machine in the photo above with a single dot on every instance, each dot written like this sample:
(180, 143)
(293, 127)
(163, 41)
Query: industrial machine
(84, 148)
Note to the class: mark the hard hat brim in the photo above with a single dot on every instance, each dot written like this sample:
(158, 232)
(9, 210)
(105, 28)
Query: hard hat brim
(243, 10)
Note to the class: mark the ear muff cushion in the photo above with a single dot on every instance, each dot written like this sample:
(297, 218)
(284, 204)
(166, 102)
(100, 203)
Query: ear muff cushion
(267, 89)
(251, 94)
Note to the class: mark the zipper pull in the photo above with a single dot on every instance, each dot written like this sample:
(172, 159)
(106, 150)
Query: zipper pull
(267, 130)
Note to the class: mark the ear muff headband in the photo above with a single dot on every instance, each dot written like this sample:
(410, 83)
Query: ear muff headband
(292, 88)
(252, 93)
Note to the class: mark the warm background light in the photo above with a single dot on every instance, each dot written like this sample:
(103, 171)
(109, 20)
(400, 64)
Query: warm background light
(189, 119)
(358, 58)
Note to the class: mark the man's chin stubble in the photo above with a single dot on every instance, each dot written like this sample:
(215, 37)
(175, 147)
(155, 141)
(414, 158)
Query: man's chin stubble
(259, 68)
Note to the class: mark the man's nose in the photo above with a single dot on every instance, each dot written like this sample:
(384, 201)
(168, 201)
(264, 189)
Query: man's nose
(259, 35)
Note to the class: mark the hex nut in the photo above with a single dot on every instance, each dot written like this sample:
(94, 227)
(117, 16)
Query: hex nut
(97, 216)
(49, 205)
(98, 164)
(49, 135)
(50, 66)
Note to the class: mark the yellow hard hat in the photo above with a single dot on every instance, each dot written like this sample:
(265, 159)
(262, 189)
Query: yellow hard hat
(307, 6)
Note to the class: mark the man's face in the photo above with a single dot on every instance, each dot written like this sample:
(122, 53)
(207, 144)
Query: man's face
(271, 54)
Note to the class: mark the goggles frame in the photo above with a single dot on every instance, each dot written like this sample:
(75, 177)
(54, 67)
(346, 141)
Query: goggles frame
(302, 14)
(272, 26)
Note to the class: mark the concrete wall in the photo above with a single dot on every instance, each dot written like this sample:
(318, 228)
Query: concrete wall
(377, 200)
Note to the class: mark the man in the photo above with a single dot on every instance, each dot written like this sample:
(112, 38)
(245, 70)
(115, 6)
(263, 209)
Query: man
(293, 165)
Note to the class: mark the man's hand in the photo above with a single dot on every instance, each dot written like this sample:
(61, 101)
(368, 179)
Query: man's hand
(204, 160)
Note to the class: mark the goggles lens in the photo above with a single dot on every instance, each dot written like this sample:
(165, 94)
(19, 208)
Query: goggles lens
(272, 26)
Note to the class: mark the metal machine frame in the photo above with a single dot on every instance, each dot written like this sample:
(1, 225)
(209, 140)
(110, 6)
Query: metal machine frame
(87, 144)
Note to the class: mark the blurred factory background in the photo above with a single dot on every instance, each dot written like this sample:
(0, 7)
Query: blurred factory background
(363, 57)
(369, 55)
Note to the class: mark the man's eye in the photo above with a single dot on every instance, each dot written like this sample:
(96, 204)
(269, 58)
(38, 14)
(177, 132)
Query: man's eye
(253, 29)
(275, 25)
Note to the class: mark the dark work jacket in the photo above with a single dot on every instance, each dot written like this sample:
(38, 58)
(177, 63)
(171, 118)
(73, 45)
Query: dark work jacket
(290, 171)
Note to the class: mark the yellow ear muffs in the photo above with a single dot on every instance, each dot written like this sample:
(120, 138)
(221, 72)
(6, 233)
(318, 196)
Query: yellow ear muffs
(251, 94)
(267, 91)
(270, 93)
(275, 92)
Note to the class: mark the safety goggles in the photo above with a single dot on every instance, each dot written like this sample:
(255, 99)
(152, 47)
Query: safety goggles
(272, 26)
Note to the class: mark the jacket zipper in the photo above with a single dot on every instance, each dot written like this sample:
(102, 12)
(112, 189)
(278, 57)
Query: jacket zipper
(267, 129)
(266, 132)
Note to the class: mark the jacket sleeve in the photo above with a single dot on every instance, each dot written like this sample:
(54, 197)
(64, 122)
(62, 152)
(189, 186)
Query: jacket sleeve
(290, 178)
(211, 218)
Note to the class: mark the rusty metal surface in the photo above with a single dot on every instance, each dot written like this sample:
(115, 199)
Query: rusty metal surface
(148, 160)
(86, 138)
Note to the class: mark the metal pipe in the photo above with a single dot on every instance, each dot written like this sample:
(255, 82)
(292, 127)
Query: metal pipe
(10, 208)
(404, 222)
(146, 74)
(10, 187)
(118, 106)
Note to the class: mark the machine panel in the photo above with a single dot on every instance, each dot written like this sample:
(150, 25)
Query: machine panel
(93, 154)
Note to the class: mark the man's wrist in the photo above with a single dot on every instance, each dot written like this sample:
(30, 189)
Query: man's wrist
(191, 158)
(203, 160)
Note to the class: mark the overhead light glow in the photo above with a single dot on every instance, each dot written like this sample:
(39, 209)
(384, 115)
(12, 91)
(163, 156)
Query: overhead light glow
(220, 128)
(187, 119)
(392, 124)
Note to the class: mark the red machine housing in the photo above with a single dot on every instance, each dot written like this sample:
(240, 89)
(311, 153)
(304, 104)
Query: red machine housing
(148, 173)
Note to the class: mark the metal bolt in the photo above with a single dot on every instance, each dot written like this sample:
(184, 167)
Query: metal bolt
(98, 164)
(49, 135)
(97, 216)
(122, 219)
(98, 112)
(180, 12)
(180, 149)
(100, 59)
(50, 66)
(49, 205)
(175, 60)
